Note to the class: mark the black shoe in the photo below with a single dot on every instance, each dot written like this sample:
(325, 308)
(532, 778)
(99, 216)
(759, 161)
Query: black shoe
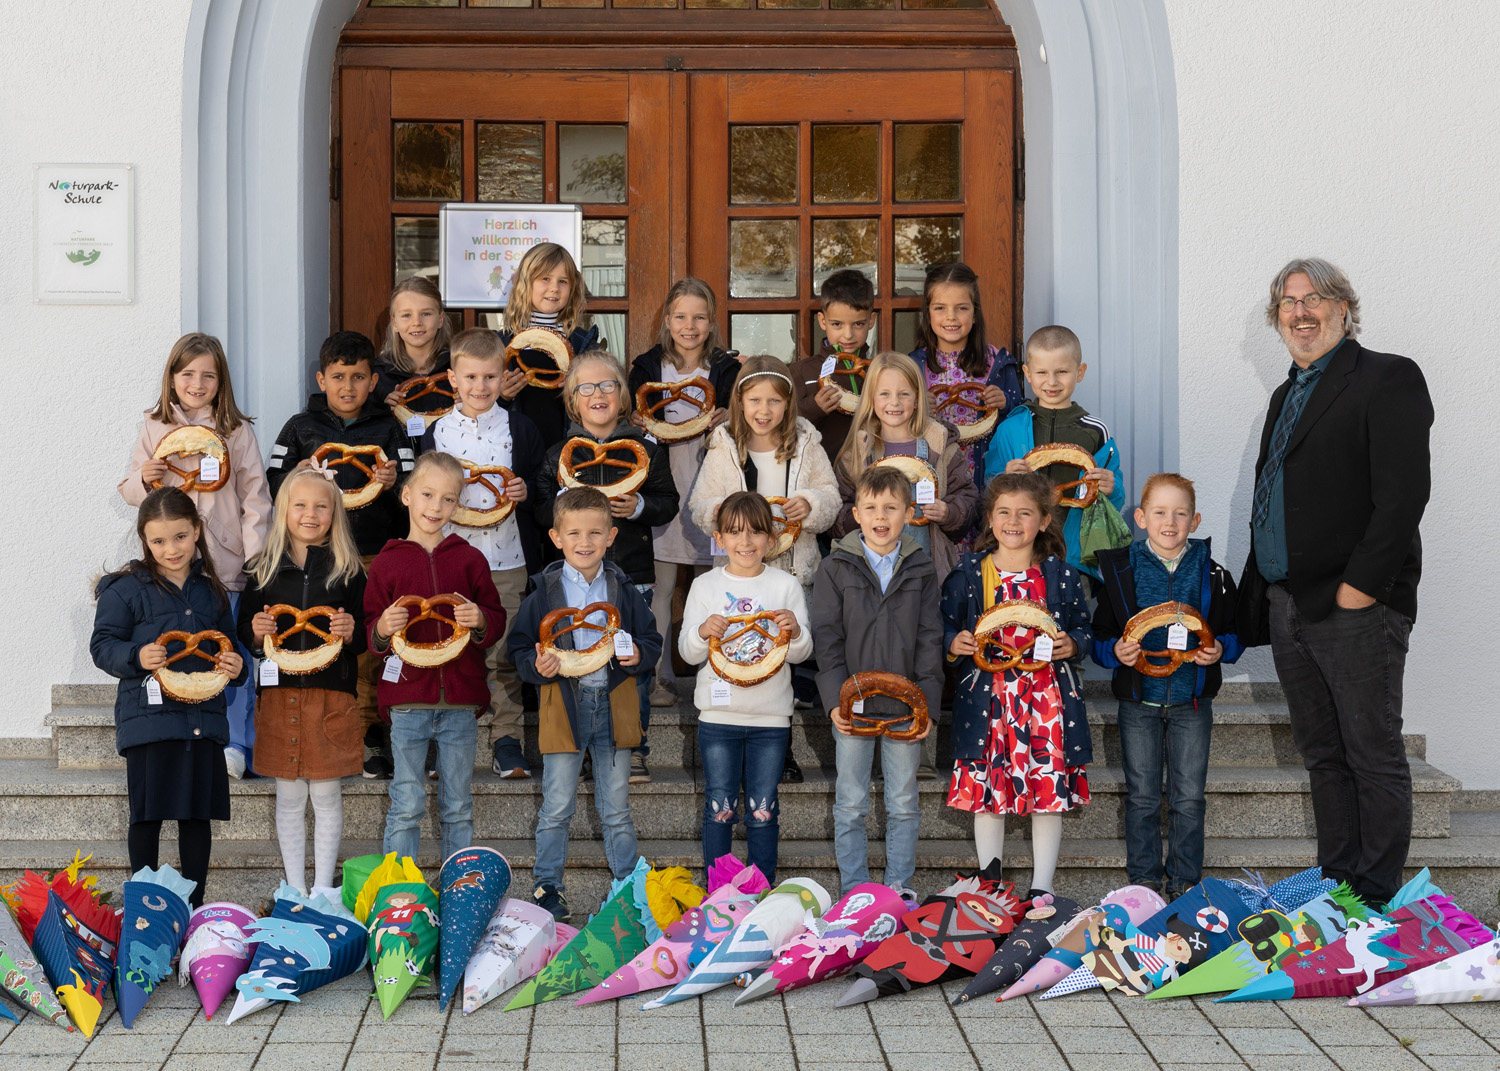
(379, 765)
(510, 762)
(432, 760)
(791, 773)
(549, 899)
(586, 770)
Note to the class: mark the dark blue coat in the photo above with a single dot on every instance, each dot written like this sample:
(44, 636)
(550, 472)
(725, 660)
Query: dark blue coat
(963, 602)
(132, 611)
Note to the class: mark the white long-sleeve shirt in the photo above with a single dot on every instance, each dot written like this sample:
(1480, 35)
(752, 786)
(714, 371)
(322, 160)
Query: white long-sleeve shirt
(768, 704)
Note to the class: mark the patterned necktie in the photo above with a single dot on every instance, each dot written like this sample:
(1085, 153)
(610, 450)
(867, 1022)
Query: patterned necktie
(1281, 436)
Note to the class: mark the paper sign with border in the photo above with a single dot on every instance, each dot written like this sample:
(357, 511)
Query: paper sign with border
(481, 245)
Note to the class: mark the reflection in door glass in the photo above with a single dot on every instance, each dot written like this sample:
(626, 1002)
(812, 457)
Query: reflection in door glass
(603, 262)
(921, 242)
(591, 164)
(762, 165)
(510, 162)
(928, 161)
(416, 246)
(762, 258)
(904, 329)
(846, 164)
(764, 332)
(845, 243)
(428, 161)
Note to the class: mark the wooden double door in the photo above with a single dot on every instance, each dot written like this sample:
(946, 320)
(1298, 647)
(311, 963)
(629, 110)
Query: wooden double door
(762, 183)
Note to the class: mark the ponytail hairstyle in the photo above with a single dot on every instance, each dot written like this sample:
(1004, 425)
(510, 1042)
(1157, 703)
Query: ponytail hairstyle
(760, 369)
(187, 349)
(865, 442)
(345, 554)
(541, 258)
(689, 287)
(1049, 541)
(171, 504)
(975, 356)
(395, 347)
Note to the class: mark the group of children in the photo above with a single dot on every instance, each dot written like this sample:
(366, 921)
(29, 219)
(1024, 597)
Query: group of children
(884, 574)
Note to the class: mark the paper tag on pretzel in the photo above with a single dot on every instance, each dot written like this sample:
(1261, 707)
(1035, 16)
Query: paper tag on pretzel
(1041, 651)
(416, 427)
(153, 692)
(1177, 637)
(624, 647)
(857, 707)
(829, 364)
(392, 670)
(718, 693)
(926, 493)
(208, 469)
(270, 673)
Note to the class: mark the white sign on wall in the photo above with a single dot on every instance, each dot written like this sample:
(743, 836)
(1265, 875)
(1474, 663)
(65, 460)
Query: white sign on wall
(83, 245)
(481, 245)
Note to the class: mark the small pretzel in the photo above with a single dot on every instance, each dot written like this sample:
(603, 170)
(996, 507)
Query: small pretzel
(876, 682)
(762, 669)
(848, 399)
(1021, 612)
(439, 652)
(542, 340)
(945, 395)
(185, 442)
(488, 516)
(1159, 616)
(312, 659)
(681, 432)
(579, 663)
(915, 470)
(635, 470)
(1066, 454)
(350, 455)
(787, 531)
(421, 387)
(194, 687)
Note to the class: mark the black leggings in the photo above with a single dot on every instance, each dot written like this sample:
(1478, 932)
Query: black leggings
(195, 840)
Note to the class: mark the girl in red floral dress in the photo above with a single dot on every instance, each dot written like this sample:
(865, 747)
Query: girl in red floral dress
(1020, 739)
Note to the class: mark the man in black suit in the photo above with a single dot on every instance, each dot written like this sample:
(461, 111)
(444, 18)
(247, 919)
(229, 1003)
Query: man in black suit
(1331, 583)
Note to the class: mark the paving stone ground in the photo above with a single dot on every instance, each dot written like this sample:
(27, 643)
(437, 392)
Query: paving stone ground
(339, 1028)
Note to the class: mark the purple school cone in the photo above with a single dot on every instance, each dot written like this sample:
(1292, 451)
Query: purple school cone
(217, 952)
(1139, 902)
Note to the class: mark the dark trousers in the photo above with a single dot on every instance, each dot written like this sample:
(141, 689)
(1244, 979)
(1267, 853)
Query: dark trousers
(1342, 677)
(1173, 740)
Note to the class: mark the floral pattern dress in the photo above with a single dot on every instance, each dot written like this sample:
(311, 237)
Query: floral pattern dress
(1022, 771)
(972, 452)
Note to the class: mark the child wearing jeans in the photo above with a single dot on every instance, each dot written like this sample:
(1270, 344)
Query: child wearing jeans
(598, 713)
(875, 607)
(743, 731)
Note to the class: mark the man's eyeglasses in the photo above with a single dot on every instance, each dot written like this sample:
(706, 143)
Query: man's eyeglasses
(1311, 301)
(609, 386)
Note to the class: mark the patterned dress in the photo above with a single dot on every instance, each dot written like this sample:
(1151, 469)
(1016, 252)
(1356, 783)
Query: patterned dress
(1022, 771)
(972, 452)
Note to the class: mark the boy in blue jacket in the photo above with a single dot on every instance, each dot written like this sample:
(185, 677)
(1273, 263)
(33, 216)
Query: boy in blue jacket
(1165, 720)
(1054, 367)
(598, 712)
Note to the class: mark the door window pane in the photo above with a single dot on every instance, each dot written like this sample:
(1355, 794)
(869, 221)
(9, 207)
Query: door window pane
(612, 336)
(845, 243)
(860, 5)
(572, 3)
(904, 330)
(921, 242)
(510, 162)
(846, 164)
(928, 161)
(591, 164)
(764, 332)
(428, 160)
(762, 258)
(416, 246)
(762, 165)
(415, 3)
(603, 261)
(765, 5)
(927, 4)
(499, 3)
(717, 3)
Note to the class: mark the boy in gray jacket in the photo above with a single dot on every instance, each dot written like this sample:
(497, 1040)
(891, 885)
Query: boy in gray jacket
(875, 607)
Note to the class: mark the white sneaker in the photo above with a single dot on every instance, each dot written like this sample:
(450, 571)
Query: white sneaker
(234, 758)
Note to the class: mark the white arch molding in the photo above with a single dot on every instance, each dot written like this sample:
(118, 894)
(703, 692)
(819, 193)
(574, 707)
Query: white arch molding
(1101, 197)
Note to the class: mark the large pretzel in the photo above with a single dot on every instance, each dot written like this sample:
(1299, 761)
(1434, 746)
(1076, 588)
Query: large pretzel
(876, 682)
(479, 476)
(1066, 454)
(787, 530)
(437, 653)
(1020, 612)
(950, 394)
(541, 340)
(635, 470)
(915, 470)
(848, 399)
(421, 387)
(664, 430)
(312, 659)
(185, 442)
(764, 668)
(194, 687)
(1160, 616)
(350, 455)
(579, 663)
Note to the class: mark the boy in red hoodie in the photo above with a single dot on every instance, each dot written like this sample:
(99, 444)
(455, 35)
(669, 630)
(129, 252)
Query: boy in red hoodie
(438, 703)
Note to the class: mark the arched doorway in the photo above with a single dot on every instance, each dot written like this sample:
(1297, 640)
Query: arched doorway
(760, 148)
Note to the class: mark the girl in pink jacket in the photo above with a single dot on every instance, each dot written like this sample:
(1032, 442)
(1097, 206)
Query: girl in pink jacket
(195, 390)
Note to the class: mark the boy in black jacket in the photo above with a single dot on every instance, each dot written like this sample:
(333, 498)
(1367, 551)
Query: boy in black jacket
(344, 411)
(1165, 718)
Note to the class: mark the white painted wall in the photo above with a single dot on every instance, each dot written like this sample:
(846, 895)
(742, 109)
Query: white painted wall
(1367, 133)
(98, 81)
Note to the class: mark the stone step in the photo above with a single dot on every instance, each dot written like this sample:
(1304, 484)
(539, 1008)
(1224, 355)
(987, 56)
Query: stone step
(42, 801)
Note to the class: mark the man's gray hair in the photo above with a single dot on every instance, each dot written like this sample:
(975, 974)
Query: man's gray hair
(1327, 279)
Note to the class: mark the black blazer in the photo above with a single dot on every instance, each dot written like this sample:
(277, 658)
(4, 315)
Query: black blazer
(1357, 476)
